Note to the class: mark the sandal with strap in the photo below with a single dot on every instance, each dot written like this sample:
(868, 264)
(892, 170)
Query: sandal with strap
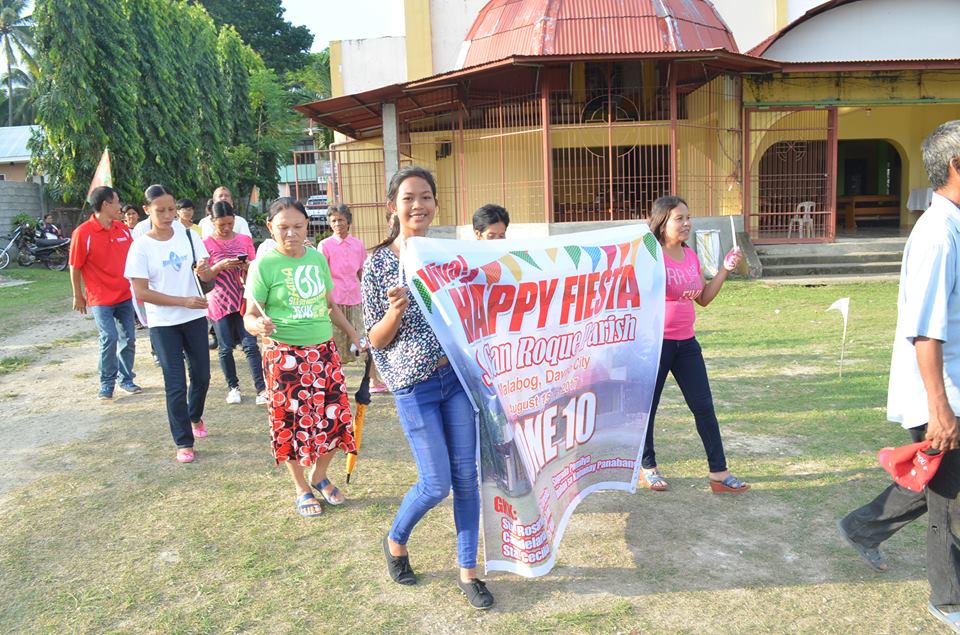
(654, 480)
(950, 619)
(730, 485)
(305, 502)
(330, 498)
(185, 455)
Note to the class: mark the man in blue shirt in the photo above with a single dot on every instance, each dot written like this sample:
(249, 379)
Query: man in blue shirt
(925, 371)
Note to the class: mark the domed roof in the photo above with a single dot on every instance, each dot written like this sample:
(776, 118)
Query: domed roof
(505, 28)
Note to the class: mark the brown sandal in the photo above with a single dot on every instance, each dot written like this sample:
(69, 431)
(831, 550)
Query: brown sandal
(729, 485)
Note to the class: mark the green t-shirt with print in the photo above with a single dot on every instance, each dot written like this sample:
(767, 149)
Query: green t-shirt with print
(293, 293)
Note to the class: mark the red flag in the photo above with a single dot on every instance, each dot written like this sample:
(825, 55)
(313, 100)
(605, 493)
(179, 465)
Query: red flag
(103, 175)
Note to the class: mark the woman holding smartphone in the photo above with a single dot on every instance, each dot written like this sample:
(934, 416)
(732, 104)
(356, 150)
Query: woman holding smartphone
(230, 254)
(435, 412)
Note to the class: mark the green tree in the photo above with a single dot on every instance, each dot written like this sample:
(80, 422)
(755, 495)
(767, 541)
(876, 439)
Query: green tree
(165, 90)
(313, 83)
(24, 96)
(234, 85)
(88, 91)
(276, 128)
(260, 23)
(16, 38)
(211, 114)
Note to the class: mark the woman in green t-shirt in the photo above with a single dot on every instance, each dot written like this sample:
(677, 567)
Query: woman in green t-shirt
(308, 407)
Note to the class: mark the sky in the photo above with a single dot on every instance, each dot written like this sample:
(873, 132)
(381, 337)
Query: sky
(345, 19)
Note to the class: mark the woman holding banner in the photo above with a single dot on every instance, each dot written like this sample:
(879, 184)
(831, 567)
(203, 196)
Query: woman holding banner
(435, 412)
(291, 307)
(681, 354)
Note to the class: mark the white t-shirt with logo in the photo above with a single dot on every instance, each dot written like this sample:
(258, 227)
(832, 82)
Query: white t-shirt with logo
(167, 265)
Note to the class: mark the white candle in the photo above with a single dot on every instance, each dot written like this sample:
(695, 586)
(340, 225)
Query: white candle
(733, 232)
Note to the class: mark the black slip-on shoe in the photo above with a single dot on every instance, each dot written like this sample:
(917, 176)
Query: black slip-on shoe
(870, 555)
(477, 593)
(398, 566)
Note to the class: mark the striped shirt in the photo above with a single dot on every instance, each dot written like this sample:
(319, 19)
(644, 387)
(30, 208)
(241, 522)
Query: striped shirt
(227, 294)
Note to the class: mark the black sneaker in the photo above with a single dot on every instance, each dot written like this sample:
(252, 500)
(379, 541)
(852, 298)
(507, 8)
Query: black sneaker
(477, 593)
(398, 566)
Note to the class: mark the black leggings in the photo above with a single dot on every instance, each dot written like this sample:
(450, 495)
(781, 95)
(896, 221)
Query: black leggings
(684, 359)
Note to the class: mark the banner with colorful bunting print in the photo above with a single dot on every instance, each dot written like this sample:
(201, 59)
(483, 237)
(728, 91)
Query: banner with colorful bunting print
(557, 342)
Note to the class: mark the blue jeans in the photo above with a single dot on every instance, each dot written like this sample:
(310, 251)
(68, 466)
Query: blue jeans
(684, 359)
(172, 344)
(230, 332)
(440, 425)
(115, 323)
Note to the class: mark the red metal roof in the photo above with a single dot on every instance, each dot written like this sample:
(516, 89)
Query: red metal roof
(507, 28)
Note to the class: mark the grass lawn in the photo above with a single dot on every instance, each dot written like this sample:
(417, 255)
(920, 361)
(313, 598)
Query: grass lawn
(26, 304)
(117, 538)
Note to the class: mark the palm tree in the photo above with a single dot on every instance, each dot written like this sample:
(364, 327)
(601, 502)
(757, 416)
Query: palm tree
(16, 36)
(24, 97)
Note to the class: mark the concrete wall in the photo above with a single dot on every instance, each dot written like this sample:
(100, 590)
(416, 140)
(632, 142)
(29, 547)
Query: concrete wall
(874, 30)
(359, 65)
(14, 171)
(21, 197)
(451, 21)
(753, 21)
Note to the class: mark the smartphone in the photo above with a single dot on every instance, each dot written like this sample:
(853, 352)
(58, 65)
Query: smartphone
(242, 257)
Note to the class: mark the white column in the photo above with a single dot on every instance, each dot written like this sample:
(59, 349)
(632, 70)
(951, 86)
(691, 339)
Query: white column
(391, 148)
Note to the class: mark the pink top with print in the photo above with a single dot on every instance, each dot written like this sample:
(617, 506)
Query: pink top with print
(684, 284)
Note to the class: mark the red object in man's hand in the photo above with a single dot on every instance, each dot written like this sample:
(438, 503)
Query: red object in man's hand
(910, 465)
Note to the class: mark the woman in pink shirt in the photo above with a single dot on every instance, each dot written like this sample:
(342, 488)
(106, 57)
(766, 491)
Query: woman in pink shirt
(681, 354)
(230, 256)
(346, 255)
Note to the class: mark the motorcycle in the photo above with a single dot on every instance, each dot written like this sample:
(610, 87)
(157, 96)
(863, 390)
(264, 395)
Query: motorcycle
(11, 240)
(33, 247)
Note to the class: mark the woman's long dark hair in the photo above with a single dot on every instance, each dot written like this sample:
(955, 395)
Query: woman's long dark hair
(286, 202)
(222, 209)
(660, 213)
(393, 189)
(154, 192)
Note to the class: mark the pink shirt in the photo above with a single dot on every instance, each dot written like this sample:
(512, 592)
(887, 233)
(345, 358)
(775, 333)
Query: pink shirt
(346, 258)
(227, 295)
(684, 284)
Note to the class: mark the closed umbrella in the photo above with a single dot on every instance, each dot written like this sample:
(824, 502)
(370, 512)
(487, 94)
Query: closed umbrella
(362, 397)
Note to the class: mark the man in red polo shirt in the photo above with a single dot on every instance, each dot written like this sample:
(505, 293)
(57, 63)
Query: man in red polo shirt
(98, 255)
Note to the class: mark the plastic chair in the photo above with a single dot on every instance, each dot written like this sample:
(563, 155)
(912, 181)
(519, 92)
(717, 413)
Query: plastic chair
(803, 219)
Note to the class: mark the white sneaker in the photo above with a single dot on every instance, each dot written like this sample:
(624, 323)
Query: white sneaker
(262, 398)
(233, 396)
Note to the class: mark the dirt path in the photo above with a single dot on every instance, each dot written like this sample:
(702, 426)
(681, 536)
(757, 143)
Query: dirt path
(66, 371)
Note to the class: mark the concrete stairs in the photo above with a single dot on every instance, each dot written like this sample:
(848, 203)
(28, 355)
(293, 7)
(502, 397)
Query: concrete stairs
(848, 257)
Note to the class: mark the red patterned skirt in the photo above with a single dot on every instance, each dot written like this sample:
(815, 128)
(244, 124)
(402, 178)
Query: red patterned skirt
(309, 410)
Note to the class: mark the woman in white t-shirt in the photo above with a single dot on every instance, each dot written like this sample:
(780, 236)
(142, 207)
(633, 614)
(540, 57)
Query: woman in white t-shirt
(160, 267)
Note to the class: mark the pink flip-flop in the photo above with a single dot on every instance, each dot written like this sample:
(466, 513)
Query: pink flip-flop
(199, 429)
(185, 455)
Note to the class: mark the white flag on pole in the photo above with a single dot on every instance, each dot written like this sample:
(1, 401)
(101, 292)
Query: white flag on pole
(843, 306)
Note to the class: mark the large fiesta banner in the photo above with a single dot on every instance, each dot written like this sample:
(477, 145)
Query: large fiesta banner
(557, 342)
